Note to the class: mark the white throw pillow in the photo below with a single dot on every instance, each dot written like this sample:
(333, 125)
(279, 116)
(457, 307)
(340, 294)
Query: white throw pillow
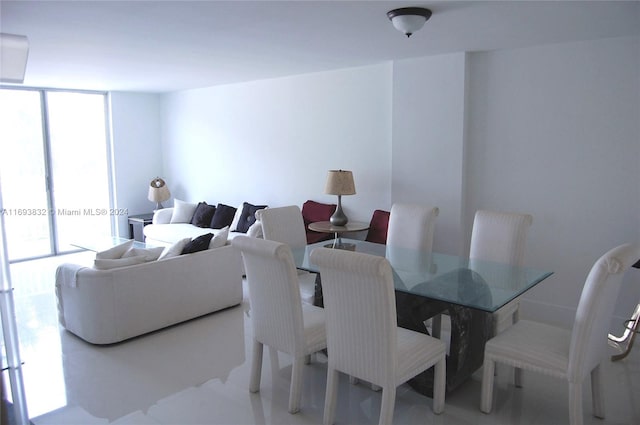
(107, 264)
(174, 250)
(182, 211)
(236, 217)
(115, 252)
(220, 239)
(150, 254)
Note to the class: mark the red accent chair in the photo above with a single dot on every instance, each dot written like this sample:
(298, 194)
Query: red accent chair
(313, 211)
(378, 227)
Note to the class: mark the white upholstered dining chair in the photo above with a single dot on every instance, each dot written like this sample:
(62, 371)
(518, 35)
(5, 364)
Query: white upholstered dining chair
(569, 355)
(500, 237)
(280, 320)
(286, 225)
(412, 226)
(363, 339)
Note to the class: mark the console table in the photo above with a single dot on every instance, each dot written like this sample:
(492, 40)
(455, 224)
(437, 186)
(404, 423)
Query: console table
(136, 225)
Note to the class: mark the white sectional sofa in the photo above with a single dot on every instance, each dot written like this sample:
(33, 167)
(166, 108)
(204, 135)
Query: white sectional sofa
(162, 232)
(108, 306)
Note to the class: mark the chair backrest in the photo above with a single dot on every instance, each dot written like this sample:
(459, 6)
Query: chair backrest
(274, 293)
(499, 236)
(283, 224)
(378, 227)
(412, 226)
(595, 309)
(359, 301)
(312, 212)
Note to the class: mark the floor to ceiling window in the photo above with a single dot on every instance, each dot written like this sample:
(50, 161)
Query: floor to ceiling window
(54, 170)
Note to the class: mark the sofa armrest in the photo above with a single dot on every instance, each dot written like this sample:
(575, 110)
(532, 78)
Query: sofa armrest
(255, 230)
(162, 216)
(108, 306)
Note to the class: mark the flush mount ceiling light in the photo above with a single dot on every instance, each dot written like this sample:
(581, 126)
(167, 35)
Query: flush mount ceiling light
(409, 19)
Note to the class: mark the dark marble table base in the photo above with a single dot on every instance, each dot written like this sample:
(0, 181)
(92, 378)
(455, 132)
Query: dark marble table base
(470, 330)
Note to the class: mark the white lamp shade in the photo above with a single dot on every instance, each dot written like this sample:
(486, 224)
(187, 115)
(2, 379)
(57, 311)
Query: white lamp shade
(14, 50)
(340, 182)
(158, 191)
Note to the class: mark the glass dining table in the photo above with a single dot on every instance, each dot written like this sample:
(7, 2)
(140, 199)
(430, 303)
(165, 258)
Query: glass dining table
(428, 284)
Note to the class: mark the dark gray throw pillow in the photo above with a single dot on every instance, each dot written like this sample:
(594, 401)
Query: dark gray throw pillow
(203, 215)
(223, 216)
(248, 216)
(197, 244)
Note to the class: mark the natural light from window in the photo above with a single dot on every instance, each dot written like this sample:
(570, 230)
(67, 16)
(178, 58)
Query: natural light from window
(53, 170)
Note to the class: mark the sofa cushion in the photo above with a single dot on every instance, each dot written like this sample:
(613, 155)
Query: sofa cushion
(220, 239)
(197, 244)
(174, 250)
(150, 254)
(247, 217)
(222, 217)
(112, 263)
(166, 234)
(182, 211)
(115, 252)
(203, 214)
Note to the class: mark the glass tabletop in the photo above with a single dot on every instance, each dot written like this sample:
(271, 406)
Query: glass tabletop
(483, 285)
(104, 243)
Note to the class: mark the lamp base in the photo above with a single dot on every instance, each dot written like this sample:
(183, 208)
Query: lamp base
(339, 218)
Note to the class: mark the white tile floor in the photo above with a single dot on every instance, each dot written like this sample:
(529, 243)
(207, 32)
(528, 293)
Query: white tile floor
(197, 373)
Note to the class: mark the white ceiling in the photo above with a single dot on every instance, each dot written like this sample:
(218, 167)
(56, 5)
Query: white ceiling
(160, 46)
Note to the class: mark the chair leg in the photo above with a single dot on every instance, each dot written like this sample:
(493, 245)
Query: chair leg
(486, 393)
(295, 390)
(331, 397)
(256, 367)
(596, 392)
(575, 403)
(388, 404)
(517, 372)
(439, 385)
(517, 377)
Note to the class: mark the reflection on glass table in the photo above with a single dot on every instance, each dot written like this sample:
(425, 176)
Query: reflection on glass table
(444, 277)
(103, 243)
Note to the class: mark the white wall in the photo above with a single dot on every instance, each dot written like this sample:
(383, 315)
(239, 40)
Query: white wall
(272, 141)
(428, 141)
(554, 131)
(551, 130)
(136, 153)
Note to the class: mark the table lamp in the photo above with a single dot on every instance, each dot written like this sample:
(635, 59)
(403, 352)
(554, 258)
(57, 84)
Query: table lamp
(158, 192)
(339, 182)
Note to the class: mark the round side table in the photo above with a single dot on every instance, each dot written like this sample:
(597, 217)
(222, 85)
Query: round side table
(327, 227)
